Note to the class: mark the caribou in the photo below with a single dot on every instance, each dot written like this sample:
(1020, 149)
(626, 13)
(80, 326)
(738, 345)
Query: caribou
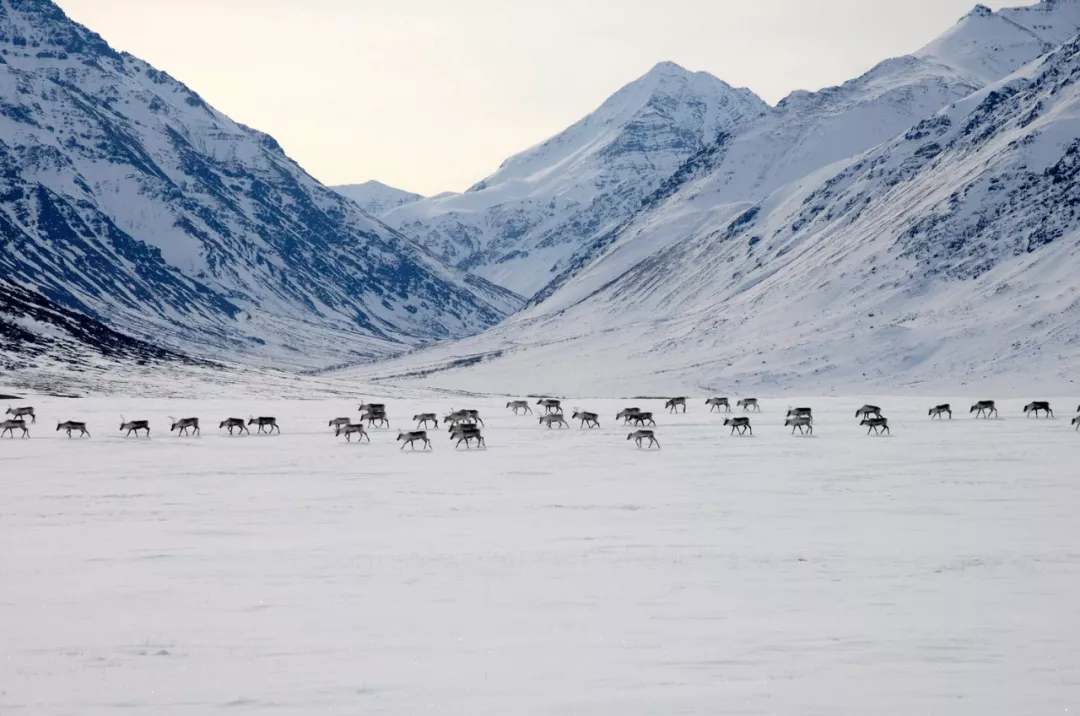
(876, 424)
(372, 406)
(457, 417)
(410, 438)
(802, 422)
(716, 403)
(867, 410)
(800, 413)
(71, 426)
(269, 423)
(350, 429)
(19, 413)
(983, 408)
(466, 433)
(740, 424)
(592, 419)
(748, 403)
(1076, 422)
(1037, 407)
(550, 405)
(338, 422)
(234, 424)
(640, 418)
(185, 424)
(639, 435)
(423, 419)
(134, 426)
(522, 405)
(938, 410)
(556, 418)
(375, 415)
(627, 414)
(10, 426)
(673, 405)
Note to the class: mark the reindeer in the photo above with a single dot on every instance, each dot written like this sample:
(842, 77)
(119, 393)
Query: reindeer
(1076, 422)
(457, 417)
(740, 424)
(627, 414)
(802, 422)
(551, 405)
(673, 405)
(269, 423)
(556, 418)
(134, 427)
(410, 439)
(424, 418)
(748, 403)
(522, 405)
(338, 422)
(938, 410)
(234, 423)
(350, 429)
(466, 433)
(19, 413)
(592, 419)
(375, 415)
(10, 426)
(372, 406)
(984, 408)
(185, 424)
(716, 403)
(876, 424)
(1036, 407)
(639, 435)
(800, 413)
(71, 426)
(867, 410)
(641, 418)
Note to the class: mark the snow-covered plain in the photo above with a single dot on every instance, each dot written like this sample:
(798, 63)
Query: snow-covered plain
(555, 572)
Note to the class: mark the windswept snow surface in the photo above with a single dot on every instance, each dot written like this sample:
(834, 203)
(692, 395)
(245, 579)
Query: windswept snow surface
(556, 572)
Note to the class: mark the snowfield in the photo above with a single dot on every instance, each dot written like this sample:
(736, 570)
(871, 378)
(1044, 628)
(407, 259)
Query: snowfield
(555, 572)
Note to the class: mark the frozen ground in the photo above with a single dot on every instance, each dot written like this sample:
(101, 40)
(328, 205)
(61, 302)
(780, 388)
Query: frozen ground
(934, 572)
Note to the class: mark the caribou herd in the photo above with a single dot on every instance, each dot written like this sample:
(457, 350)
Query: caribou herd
(464, 426)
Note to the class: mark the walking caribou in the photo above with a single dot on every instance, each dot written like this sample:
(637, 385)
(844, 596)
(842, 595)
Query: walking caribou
(550, 405)
(554, 419)
(800, 413)
(185, 424)
(134, 427)
(234, 423)
(938, 410)
(1037, 407)
(640, 418)
(876, 424)
(627, 414)
(673, 405)
(71, 426)
(263, 422)
(522, 405)
(457, 417)
(748, 403)
(10, 426)
(411, 437)
(375, 415)
(802, 422)
(350, 429)
(740, 424)
(983, 408)
(867, 410)
(639, 435)
(592, 419)
(338, 422)
(716, 403)
(19, 413)
(424, 418)
(465, 433)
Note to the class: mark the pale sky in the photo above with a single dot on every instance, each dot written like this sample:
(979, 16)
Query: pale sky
(432, 95)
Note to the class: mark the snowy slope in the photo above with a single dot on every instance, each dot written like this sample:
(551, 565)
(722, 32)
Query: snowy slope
(520, 224)
(946, 254)
(127, 198)
(376, 198)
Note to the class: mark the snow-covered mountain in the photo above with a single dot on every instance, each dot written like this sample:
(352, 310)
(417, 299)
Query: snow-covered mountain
(125, 197)
(944, 254)
(376, 198)
(518, 226)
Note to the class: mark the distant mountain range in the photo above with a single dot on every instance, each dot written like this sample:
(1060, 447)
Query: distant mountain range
(375, 197)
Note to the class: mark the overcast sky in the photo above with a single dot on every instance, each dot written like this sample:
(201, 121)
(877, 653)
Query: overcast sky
(432, 95)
